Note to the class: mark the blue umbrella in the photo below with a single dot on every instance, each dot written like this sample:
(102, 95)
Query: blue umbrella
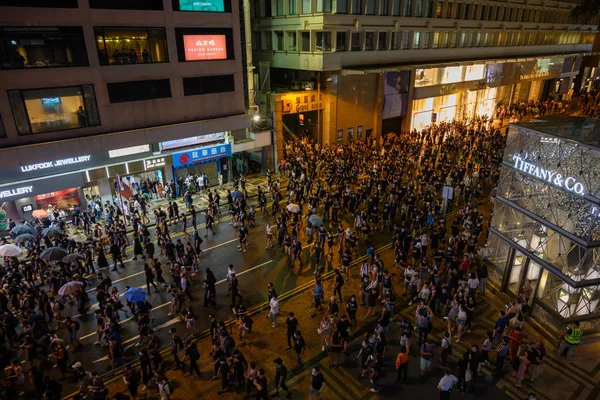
(236, 194)
(315, 220)
(135, 294)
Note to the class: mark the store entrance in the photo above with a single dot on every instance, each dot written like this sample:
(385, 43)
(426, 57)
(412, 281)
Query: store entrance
(524, 276)
(210, 169)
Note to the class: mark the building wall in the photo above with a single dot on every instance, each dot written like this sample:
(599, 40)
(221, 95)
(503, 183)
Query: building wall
(118, 117)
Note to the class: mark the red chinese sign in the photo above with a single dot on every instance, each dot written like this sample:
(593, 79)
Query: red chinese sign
(205, 47)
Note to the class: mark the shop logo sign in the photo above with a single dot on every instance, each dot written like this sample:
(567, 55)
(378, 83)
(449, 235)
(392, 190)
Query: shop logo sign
(184, 158)
(569, 183)
(57, 163)
(16, 191)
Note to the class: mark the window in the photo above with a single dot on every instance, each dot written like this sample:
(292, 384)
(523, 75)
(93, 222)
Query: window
(268, 11)
(396, 7)
(342, 7)
(436, 40)
(382, 43)
(405, 39)
(449, 10)
(462, 39)
(467, 11)
(54, 109)
(127, 4)
(268, 41)
(356, 7)
(201, 6)
(416, 40)
(279, 41)
(340, 41)
(305, 41)
(208, 84)
(323, 41)
(292, 5)
(395, 40)
(204, 44)
(369, 41)
(438, 10)
(29, 47)
(120, 92)
(291, 41)
(323, 6)
(444, 39)
(371, 7)
(418, 8)
(118, 46)
(425, 39)
(453, 40)
(279, 10)
(384, 7)
(2, 130)
(408, 8)
(477, 41)
(355, 42)
(429, 9)
(457, 10)
(40, 3)
(256, 10)
(483, 12)
(306, 6)
(257, 40)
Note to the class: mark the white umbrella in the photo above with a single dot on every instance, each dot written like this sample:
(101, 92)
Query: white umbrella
(293, 208)
(70, 288)
(9, 250)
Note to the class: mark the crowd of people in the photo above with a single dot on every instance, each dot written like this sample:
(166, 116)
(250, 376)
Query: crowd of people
(338, 198)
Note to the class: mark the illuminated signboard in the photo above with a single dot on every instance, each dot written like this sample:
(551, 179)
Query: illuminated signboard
(554, 178)
(205, 47)
(202, 5)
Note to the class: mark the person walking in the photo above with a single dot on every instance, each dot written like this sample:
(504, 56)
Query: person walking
(260, 383)
(402, 365)
(292, 326)
(316, 385)
(300, 349)
(280, 376)
(446, 383)
(273, 310)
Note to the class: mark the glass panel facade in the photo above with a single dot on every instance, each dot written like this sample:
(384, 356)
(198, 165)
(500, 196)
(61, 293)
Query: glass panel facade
(29, 47)
(118, 46)
(54, 109)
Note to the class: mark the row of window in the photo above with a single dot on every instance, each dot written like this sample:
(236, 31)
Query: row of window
(325, 41)
(411, 8)
(57, 109)
(178, 5)
(34, 47)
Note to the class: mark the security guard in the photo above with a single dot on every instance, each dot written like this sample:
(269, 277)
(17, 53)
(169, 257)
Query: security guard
(571, 339)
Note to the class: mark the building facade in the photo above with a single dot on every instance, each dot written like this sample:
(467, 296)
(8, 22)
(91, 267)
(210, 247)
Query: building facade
(545, 231)
(139, 89)
(386, 65)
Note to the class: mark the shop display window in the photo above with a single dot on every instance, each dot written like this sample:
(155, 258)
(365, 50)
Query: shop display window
(54, 109)
(474, 72)
(45, 47)
(118, 46)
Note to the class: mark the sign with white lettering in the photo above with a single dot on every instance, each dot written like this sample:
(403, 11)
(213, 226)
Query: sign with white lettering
(27, 208)
(553, 178)
(154, 162)
(56, 163)
(5, 194)
(187, 158)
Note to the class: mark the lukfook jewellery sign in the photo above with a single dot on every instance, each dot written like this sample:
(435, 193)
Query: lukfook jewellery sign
(566, 182)
(56, 163)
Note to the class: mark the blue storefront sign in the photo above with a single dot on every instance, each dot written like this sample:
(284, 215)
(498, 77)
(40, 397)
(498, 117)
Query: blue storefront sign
(188, 158)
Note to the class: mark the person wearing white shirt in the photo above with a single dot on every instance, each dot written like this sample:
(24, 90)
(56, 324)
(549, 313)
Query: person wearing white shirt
(446, 383)
(473, 284)
(274, 310)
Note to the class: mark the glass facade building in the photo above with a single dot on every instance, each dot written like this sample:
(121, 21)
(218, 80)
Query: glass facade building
(546, 223)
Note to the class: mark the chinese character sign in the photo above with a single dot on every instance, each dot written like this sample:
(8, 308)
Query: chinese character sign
(205, 47)
(186, 158)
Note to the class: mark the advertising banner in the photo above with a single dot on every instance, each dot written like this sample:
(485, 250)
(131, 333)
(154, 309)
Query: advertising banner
(205, 47)
(340, 135)
(350, 133)
(395, 92)
(63, 199)
(202, 5)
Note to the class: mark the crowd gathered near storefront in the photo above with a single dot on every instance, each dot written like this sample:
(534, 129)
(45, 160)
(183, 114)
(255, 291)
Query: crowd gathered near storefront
(338, 196)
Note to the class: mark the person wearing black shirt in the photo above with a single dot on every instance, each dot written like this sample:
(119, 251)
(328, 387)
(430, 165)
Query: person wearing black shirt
(343, 326)
(280, 376)
(292, 326)
(132, 377)
(176, 347)
(224, 370)
(351, 308)
(192, 354)
(339, 282)
(235, 290)
(317, 383)
(300, 348)
(261, 385)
